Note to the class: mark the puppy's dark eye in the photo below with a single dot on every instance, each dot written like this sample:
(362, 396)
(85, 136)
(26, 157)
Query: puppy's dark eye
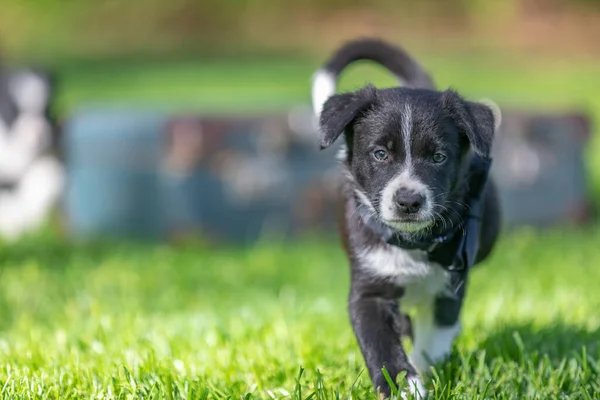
(438, 158)
(380, 155)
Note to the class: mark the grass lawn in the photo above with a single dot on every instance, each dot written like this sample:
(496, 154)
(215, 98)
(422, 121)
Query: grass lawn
(137, 321)
(126, 320)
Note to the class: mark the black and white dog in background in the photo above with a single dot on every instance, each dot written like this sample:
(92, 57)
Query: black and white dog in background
(31, 177)
(419, 209)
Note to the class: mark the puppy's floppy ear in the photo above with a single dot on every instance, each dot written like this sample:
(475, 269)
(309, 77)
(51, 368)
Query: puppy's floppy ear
(340, 110)
(495, 110)
(477, 121)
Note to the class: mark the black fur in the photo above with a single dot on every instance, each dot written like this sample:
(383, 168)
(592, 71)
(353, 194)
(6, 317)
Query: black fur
(393, 58)
(440, 123)
(340, 110)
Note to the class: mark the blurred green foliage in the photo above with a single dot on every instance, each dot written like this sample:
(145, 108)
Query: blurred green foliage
(256, 84)
(48, 29)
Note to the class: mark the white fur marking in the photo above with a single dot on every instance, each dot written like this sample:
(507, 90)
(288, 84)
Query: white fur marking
(404, 267)
(409, 226)
(364, 200)
(388, 204)
(416, 388)
(406, 133)
(323, 87)
(342, 154)
(432, 343)
(495, 111)
(419, 294)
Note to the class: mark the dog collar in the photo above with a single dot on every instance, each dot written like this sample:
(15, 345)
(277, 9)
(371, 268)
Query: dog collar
(455, 250)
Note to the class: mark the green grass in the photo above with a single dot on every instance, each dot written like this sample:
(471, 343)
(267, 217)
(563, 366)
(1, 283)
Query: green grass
(142, 321)
(213, 85)
(127, 320)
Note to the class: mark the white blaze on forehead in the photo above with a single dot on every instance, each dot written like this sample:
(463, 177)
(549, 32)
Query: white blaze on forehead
(405, 180)
(323, 87)
(406, 134)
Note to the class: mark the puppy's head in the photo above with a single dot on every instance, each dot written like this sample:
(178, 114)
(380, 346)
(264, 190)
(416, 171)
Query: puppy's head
(407, 149)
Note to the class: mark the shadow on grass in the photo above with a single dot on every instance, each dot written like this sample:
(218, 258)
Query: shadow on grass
(49, 254)
(557, 342)
(51, 250)
(525, 357)
(516, 359)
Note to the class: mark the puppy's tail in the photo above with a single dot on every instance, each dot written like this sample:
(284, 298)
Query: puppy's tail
(395, 59)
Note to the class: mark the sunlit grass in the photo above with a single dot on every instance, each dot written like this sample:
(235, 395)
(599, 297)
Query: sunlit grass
(137, 321)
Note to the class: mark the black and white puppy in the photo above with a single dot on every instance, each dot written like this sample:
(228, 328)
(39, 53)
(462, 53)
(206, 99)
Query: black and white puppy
(31, 176)
(412, 212)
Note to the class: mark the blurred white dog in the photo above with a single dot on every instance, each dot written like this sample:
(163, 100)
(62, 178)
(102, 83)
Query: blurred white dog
(31, 179)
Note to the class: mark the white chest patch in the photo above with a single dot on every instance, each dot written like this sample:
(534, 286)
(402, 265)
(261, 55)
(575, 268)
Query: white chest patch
(410, 269)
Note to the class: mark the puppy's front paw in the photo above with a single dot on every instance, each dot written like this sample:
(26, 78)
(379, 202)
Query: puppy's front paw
(412, 389)
(415, 388)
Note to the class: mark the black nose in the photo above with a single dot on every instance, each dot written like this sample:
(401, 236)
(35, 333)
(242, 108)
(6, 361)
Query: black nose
(409, 202)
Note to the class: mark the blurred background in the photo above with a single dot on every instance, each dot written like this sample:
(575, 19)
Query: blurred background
(183, 124)
(182, 118)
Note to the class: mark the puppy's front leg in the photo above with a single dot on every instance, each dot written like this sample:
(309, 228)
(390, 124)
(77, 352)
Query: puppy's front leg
(436, 327)
(377, 325)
